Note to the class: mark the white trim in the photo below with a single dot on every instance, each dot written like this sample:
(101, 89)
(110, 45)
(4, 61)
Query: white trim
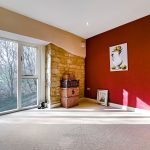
(123, 107)
(19, 73)
(29, 77)
(115, 105)
(55, 105)
(22, 38)
(37, 67)
(48, 79)
(38, 71)
(42, 74)
(17, 110)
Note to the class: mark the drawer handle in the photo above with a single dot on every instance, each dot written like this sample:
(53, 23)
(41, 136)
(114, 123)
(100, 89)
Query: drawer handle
(73, 91)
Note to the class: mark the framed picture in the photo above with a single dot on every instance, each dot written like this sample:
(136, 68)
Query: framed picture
(102, 97)
(118, 57)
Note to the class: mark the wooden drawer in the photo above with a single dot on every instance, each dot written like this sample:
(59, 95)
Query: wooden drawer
(69, 83)
(69, 92)
(69, 102)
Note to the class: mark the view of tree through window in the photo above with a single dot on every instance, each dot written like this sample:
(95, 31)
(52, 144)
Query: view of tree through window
(29, 86)
(9, 78)
(8, 75)
(29, 63)
(29, 92)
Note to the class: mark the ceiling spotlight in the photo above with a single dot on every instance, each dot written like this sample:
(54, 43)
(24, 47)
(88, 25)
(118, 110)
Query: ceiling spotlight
(87, 24)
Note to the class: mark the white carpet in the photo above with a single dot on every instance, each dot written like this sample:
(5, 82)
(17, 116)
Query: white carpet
(86, 127)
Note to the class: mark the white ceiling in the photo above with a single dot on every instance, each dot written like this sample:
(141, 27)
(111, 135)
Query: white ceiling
(72, 15)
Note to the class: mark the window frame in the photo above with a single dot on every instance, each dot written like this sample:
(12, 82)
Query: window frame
(20, 76)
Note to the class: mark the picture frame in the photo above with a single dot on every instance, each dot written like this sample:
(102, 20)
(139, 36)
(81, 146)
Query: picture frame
(102, 97)
(118, 57)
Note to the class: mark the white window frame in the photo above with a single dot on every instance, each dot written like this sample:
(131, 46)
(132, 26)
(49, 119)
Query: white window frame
(40, 84)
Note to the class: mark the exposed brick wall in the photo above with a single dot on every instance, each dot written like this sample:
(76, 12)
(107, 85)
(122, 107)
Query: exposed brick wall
(59, 61)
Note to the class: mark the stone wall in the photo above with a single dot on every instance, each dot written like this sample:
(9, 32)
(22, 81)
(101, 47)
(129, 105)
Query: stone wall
(59, 61)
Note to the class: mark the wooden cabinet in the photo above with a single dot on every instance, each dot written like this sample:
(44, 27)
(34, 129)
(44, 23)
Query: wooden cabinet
(69, 93)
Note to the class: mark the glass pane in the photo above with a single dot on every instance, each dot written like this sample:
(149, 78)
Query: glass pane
(29, 61)
(8, 75)
(29, 92)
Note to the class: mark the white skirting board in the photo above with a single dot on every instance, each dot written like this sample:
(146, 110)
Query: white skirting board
(122, 107)
(128, 108)
(53, 106)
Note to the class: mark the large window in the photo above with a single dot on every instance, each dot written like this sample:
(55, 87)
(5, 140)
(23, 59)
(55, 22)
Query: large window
(8, 75)
(29, 60)
(29, 77)
(19, 78)
(29, 92)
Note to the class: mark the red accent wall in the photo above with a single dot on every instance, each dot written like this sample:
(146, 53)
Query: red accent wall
(130, 87)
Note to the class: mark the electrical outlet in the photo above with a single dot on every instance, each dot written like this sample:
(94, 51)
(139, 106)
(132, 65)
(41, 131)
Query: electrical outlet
(88, 89)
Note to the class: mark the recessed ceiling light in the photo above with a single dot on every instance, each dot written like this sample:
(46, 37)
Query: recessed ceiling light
(87, 24)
